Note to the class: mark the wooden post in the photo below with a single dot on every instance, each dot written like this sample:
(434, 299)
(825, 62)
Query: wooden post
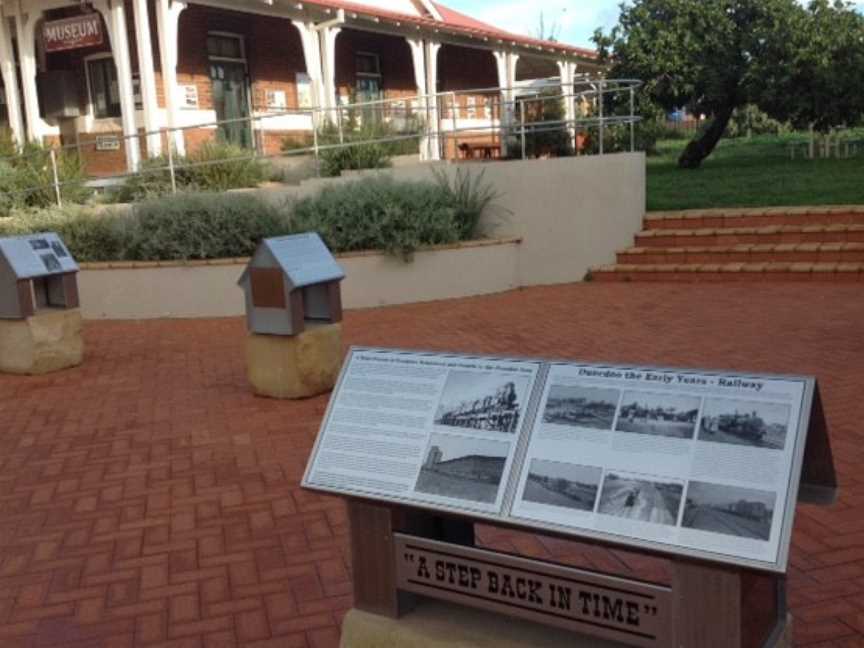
(726, 607)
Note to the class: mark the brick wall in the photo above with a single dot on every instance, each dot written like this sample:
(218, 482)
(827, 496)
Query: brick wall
(394, 54)
(464, 68)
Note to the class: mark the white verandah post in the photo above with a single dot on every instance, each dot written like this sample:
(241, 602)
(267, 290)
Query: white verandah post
(9, 73)
(148, 77)
(168, 21)
(115, 19)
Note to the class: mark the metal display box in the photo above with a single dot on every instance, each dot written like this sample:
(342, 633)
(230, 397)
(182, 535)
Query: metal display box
(37, 273)
(290, 282)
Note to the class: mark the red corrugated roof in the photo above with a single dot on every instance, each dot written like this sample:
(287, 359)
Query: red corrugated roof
(455, 21)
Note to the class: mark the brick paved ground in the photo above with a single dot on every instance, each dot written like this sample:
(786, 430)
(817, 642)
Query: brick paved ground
(147, 498)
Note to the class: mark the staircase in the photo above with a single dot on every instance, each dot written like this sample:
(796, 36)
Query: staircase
(767, 244)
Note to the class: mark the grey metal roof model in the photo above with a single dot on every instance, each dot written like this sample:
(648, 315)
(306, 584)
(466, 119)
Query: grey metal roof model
(303, 258)
(37, 255)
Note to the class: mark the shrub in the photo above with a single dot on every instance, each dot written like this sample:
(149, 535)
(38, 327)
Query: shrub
(200, 226)
(382, 214)
(750, 120)
(396, 217)
(90, 236)
(28, 177)
(219, 166)
(215, 166)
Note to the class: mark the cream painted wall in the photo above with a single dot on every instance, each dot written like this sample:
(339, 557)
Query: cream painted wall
(570, 214)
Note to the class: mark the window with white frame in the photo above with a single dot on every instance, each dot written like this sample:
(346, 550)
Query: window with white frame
(103, 87)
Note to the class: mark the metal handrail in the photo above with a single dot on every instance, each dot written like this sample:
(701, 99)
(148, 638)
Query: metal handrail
(432, 106)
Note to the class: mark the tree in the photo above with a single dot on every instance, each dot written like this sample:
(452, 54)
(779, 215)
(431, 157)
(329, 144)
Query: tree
(711, 56)
(821, 85)
(548, 30)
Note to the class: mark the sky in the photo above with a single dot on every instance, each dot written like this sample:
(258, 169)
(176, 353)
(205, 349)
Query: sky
(577, 18)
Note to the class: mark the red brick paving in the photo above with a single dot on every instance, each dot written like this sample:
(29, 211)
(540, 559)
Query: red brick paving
(147, 498)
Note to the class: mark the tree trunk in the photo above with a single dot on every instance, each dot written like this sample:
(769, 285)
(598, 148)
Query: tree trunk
(701, 148)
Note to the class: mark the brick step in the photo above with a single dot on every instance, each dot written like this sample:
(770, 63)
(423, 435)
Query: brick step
(773, 235)
(761, 217)
(694, 272)
(781, 253)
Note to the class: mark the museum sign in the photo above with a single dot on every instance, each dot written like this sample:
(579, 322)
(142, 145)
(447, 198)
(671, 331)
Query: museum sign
(73, 33)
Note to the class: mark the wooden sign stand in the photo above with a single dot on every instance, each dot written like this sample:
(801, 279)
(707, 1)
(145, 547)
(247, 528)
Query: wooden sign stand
(711, 605)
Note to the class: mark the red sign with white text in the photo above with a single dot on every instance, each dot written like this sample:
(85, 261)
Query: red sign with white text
(73, 33)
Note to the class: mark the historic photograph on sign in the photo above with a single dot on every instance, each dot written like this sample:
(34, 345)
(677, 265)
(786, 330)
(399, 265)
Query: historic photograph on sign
(730, 510)
(59, 250)
(741, 422)
(39, 244)
(640, 498)
(463, 468)
(584, 407)
(482, 401)
(51, 263)
(669, 415)
(562, 484)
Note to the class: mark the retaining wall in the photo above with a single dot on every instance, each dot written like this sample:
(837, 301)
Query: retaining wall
(553, 220)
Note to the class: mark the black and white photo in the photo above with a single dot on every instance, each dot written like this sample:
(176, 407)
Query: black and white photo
(669, 415)
(463, 468)
(51, 263)
(644, 499)
(584, 407)
(562, 484)
(731, 510)
(59, 250)
(482, 401)
(741, 422)
(39, 244)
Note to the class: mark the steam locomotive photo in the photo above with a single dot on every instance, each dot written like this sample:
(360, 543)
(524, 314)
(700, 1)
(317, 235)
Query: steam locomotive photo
(498, 412)
(749, 426)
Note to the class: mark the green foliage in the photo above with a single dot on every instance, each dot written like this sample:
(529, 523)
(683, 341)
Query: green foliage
(27, 179)
(379, 213)
(90, 236)
(551, 140)
(750, 120)
(215, 166)
(754, 172)
(709, 56)
(200, 226)
(219, 166)
(820, 83)
(364, 132)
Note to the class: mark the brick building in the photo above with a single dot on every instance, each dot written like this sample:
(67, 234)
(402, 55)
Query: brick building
(111, 75)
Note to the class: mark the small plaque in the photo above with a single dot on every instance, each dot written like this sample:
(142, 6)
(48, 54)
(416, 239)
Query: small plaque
(268, 287)
(612, 608)
(107, 143)
(277, 100)
(189, 96)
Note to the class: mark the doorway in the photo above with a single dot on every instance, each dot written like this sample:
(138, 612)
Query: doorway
(230, 88)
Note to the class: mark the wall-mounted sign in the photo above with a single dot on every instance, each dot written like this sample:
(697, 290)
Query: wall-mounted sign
(700, 464)
(107, 143)
(73, 33)
(304, 90)
(189, 96)
(277, 100)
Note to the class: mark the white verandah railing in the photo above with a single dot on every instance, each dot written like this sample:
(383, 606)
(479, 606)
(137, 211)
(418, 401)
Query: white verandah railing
(510, 120)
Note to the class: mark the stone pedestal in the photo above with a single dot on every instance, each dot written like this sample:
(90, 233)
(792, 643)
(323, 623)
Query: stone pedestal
(48, 341)
(298, 366)
(434, 624)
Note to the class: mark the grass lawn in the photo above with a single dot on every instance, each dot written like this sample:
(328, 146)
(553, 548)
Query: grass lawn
(752, 173)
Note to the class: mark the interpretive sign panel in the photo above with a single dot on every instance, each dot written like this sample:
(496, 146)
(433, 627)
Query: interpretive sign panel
(614, 608)
(305, 259)
(37, 255)
(441, 430)
(700, 464)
